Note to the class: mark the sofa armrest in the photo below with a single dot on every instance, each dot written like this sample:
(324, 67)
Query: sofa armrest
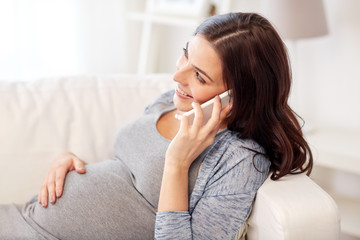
(293, 208)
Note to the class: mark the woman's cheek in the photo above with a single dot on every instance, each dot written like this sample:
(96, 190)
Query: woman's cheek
(203, 96)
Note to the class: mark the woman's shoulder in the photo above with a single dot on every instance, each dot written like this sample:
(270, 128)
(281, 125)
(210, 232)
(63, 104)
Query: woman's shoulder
(234, 165)
(166, 97)
(164, 101)
(234, 142)
(230, 149)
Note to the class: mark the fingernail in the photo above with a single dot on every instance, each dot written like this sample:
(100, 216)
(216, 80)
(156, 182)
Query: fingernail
(57, 193)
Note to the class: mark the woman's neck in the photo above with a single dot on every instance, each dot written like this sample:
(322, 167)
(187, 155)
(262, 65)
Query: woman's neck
(168, 125)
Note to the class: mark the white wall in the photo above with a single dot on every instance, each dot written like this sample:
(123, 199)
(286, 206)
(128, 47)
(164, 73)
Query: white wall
(331, 67)
(41, 38)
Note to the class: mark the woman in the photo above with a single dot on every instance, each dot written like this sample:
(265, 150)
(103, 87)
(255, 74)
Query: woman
(188, 180)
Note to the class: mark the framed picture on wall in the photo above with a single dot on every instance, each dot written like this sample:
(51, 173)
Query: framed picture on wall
(189, 8)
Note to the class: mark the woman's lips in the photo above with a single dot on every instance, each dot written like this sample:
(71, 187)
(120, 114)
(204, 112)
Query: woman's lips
(182, 94)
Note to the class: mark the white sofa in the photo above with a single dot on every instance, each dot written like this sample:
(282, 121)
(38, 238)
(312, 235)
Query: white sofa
(82, 114)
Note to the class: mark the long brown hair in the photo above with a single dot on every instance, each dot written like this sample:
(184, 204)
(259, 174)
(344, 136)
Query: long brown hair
(257, 69)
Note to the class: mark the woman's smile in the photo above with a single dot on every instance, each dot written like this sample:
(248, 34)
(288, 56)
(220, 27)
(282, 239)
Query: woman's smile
(181, 93)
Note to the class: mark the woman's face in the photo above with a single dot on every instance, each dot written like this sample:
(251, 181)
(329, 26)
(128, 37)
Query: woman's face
(198, 75)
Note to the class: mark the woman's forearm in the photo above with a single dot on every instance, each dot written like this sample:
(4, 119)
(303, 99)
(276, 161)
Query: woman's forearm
(186, 146)
(174, 189)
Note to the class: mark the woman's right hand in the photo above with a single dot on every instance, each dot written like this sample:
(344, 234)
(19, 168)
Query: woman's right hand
(53, 183)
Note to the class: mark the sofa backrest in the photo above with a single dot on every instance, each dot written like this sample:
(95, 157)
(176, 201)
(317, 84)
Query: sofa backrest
(82, 114)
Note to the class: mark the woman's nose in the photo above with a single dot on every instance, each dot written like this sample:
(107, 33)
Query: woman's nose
(182, 70)
(181, 62)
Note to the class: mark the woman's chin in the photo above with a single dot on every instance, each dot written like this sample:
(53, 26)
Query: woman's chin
(182, 109)
(182, 105)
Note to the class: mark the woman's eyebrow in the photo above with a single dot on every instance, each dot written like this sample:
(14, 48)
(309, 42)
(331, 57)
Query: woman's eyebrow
(203, 72)
(185, 49)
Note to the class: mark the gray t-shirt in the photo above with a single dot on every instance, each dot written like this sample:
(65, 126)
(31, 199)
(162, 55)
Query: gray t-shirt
(142, 149)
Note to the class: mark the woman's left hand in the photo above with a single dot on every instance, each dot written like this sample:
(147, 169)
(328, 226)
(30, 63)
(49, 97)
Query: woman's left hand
(192, 140)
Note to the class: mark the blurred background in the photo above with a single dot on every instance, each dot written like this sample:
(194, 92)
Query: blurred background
(52, 38)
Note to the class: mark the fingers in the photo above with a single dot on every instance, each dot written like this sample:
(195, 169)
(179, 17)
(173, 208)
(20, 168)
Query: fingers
(199, 116)
(79, 165)
(51, 187)
(47, 191)
(61, 175)
(225, 112)
(215, 119)
(59, 181)
(216, 109)
(43, 194)
(184, 123)
(218, 115)
(53, 183)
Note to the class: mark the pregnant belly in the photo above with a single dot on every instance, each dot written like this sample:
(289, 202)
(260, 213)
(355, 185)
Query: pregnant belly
(101, 204)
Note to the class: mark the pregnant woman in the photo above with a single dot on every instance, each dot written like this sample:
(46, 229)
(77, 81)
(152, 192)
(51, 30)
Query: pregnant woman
(171, 179)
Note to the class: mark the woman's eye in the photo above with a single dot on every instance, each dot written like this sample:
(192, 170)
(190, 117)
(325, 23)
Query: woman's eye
(201, 80)
(185, 52)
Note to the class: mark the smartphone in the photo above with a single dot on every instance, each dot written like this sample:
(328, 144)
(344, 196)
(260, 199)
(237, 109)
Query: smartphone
(207, 107)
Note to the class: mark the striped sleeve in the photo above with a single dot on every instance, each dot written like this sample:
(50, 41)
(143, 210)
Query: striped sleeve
(173, 224)
(222, 199)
